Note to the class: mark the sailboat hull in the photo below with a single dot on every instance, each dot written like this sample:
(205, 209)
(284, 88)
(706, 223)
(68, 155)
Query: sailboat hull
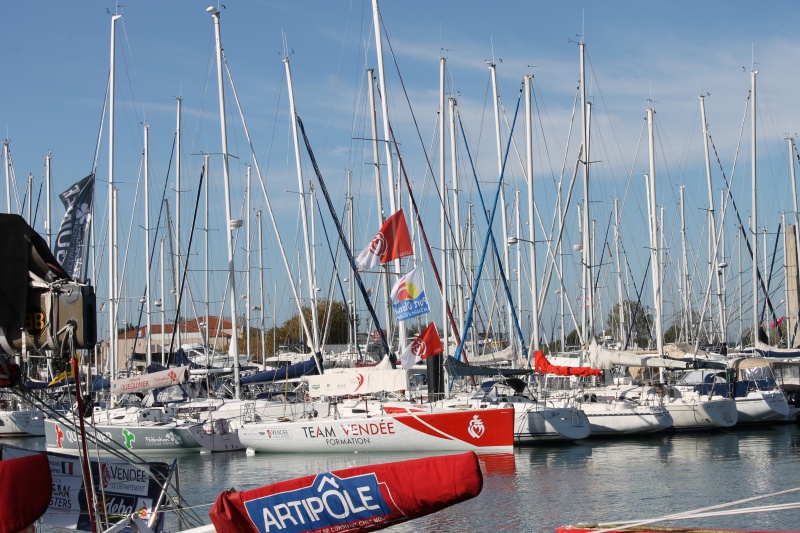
(164, 438)
(21, 423)
(484, 430)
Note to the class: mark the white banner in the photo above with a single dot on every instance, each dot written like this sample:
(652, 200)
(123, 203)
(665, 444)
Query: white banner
(358, 381)
(155, 380)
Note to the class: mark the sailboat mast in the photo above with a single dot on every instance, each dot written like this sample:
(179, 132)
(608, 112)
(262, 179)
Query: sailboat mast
(312, 282)
(178, 263)
(443, 207)
(206, 325)
(685, 299)
(7, 165)
(496, 98)
(457, 270)
(379, 194)
(148, 350)
(654, 254)
(531, 207)
(226, 178)
(711, 216)
(112, 215)
(588, 297)
(261, 285)
(393, 189)
(791, 303)
(49, 223)
(754, 206)
(162, 305)
(620, 302)
(247, 269)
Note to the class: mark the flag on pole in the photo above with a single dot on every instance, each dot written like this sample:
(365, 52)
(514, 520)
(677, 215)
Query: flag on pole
(391, 242)
(72, 242)
(408, 296)
(427, 344)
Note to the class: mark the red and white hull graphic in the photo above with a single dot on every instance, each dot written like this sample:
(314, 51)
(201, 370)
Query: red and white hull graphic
(478, 430)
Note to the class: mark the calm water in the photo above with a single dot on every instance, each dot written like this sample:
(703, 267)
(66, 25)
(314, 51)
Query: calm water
(541, 487)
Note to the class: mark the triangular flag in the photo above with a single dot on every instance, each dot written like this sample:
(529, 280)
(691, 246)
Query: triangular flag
(391, 242)
(427, 344)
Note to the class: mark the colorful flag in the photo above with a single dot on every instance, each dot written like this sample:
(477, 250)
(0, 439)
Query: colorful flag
(72, 242)
(391, 242)
(427, 344)
(408, 296)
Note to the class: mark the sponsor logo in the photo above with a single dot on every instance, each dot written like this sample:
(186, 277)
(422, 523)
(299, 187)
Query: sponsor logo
(129, 438)
(476, 428)
(378, 245)
(279, 434)
(360, 381)
(328, 504)
(59, 436)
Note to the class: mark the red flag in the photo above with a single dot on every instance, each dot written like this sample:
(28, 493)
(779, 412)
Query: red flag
(391, 242)
(427, 344)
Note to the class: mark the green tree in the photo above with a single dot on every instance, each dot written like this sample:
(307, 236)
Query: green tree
(637, 323)
(291, 331)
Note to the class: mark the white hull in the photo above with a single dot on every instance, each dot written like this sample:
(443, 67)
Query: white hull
(488, 430)
(21, 423)
(621, 417)
(760, 406)
(702, 414)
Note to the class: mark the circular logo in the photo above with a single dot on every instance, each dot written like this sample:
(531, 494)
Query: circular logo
(418, 348)
(378, 245)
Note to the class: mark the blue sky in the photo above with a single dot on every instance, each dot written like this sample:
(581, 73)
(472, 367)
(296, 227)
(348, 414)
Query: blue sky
(638, 54)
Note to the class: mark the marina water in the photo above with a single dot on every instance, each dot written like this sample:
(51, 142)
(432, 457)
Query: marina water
(538, 488)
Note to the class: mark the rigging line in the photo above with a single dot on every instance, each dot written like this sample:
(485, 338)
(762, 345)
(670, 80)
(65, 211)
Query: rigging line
(441, 194)
(421, 227)
(602, 255)
(729, 197)
(347, 250)
(298, 303)
(638, 304)
(188, 251)
(336, 271)
(155, 240)
(771, 268)
(490, 236)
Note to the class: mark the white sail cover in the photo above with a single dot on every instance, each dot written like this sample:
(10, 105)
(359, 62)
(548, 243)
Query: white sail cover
(604, 358)
(155, 380)
(355, 381)
(505, 355)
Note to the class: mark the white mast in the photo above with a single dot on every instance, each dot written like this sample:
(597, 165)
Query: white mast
(229, 229)
(178, 263)
(686, 300)
(49, 222)
(754, 207)
(261, 280)
(620, 300)
(7, 165)
(443, 208)
(496, 98)
(379, 194)
(312, 282)
(162, 304)
(457, 272)
(712, 219)
(206, 325)
(393, 189)
(654, 257)
(588, 300)
(148, 352)
(531, 207)
(112, 215)
(29, 207)
(247, 270)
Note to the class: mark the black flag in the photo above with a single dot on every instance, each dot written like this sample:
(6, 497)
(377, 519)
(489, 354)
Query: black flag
(72, 242)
